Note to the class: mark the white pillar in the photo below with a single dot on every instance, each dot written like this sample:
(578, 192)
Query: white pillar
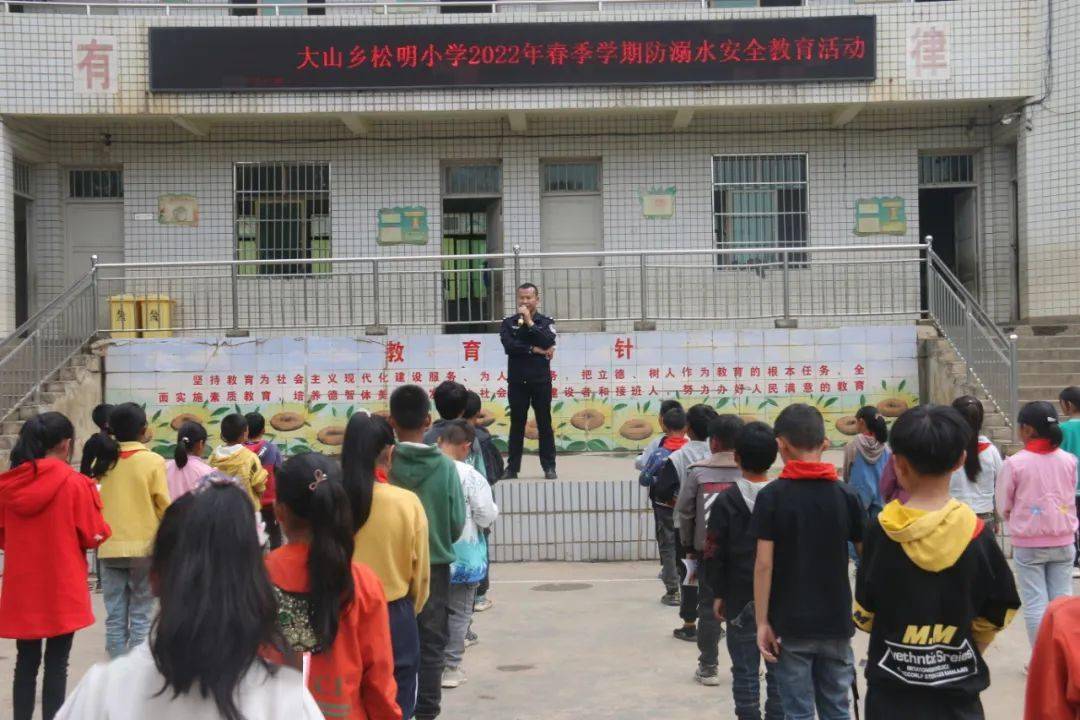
(7, 233)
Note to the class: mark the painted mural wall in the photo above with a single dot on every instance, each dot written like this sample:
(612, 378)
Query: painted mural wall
(606, 387)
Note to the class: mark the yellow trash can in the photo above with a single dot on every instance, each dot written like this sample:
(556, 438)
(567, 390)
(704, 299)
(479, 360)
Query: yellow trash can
(123, 316)
(156, 314)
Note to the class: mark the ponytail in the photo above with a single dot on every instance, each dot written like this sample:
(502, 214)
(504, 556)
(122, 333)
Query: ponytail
(39, 435)
(1042, 417)
(310, 486)
(972, 411)
(366, 436)
(127, 423)
(190, 434)
(875, 422)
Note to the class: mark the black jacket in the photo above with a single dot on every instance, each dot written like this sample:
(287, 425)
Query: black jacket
(730, 551)
(523, 365)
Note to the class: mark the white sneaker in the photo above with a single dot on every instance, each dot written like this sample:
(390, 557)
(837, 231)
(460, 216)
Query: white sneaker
(1076, 572)
(453, 677)
(482, 604)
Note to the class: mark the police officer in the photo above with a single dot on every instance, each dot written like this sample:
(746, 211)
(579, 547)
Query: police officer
(529, 340)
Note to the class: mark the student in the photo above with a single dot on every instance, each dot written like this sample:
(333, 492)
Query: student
(186, 671)
(50, 516)
(933, 588)
(134, 494)
(470, 551)
(865, 458)
(706, 479)
(433, 477)
(1069, 399)
(270, 459)
(672, 475)
(674, 425)
(451, 399)
(728, 567)
(493, 465)
(1035, 497)
(974, 483)
(1055, 664)
(890, 487)
(391, 538)
(331, 607)
(802, 596)
(91, 449)
(186, 469)
(235, 460)
(643, 457)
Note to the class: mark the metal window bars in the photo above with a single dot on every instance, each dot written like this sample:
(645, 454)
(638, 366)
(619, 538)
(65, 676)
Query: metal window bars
(617, 290)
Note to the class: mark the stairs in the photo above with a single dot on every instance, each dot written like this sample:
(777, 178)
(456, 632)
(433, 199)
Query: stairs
(74, 390)
(1049, 360)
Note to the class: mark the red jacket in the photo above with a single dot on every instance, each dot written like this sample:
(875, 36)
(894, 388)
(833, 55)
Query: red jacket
(354, 679)
(1053, 685)
(50, 516)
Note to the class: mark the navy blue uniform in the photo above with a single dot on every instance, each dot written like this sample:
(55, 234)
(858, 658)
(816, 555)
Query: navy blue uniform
(529, 377)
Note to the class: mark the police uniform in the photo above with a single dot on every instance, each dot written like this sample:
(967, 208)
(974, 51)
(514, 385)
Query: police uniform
(529, 376)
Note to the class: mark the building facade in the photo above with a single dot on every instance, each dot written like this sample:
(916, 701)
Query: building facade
(123, 139)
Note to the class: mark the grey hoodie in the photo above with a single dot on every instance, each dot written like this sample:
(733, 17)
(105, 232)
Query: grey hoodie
(704, 480)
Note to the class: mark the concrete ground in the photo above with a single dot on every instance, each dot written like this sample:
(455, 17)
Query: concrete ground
(574, 640)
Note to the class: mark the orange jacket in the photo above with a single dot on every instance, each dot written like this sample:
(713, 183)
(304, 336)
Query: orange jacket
(1053, 686)
(354, 679)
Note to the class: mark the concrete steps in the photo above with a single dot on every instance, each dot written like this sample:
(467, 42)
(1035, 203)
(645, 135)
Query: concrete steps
(1049, 360)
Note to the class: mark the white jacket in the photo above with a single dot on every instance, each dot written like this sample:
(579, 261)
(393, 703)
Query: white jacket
(128, 689)
(480, 507)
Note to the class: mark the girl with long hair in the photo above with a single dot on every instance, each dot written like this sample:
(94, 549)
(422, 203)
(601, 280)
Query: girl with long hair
(331, 608)
(50, 516)
(187, 468)
(218, 612)
(391, 538)
(865, 458)
(974, 483)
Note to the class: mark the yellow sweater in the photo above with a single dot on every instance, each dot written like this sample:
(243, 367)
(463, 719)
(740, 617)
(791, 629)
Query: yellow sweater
(134, 496)
(394, 543)
(239, 462)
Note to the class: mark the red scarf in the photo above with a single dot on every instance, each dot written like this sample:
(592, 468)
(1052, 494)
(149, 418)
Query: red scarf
(380, 476)
(1040, 446)
(983, 446)
(806, 470)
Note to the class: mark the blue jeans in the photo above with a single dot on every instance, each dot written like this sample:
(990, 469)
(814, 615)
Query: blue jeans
(125, 583)
(745, 664)
(815, 673)
(405, 638)
(1042, 574)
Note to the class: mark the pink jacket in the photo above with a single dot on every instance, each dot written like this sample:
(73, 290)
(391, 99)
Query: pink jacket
(183, 480)
(1036, 496)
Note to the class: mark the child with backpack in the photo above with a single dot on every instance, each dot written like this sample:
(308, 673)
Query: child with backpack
(270, 459)
(674, 426)
(865, 458)
(494, 467)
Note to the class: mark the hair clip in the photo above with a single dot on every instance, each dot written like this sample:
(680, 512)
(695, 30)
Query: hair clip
(184, 440)
(1051, 419)
(320, 477)
(214, 479)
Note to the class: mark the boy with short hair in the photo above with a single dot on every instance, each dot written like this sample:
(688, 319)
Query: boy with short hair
(933, 588)
(706, 479)
(235, 460)
(643, 457)
(493, 464)
(728, 567)
(672, 475)
(424, 470)
(803, 522)
(674, 424)
(450, 400)
(270, 458)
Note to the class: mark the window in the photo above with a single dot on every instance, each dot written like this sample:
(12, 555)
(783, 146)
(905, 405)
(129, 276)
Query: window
(450, 8)
(571, 177)
(22, 178)
(760, 201)
(283, 213)
(95, 184)
(287, 7)
(472, 180)
(956, 169)
(755, 3)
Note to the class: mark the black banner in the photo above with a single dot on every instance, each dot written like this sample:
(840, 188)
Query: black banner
(518, 54)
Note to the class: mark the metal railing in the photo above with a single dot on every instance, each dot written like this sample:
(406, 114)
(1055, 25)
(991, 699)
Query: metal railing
(682, 289)
(989, 354)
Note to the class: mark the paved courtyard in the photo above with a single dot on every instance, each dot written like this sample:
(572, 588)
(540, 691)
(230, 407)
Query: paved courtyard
(569, 641)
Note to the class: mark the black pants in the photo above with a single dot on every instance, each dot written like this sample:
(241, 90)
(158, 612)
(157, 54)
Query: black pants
(434, 633)
(405, 638)
(54, 684)
(273, 530)
(485, 582)
(688, 610)
(888, 703)
(522, 395)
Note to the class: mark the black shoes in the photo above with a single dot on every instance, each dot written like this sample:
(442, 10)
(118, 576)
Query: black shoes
(510, 475)
(550, 475)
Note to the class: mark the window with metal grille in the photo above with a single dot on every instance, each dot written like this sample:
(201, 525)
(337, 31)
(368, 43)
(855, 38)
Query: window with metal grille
(472, 180)
(571, 177)
(760, 201)
(283, 213)
(955, 169)
(22, 178)
(95, 184)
